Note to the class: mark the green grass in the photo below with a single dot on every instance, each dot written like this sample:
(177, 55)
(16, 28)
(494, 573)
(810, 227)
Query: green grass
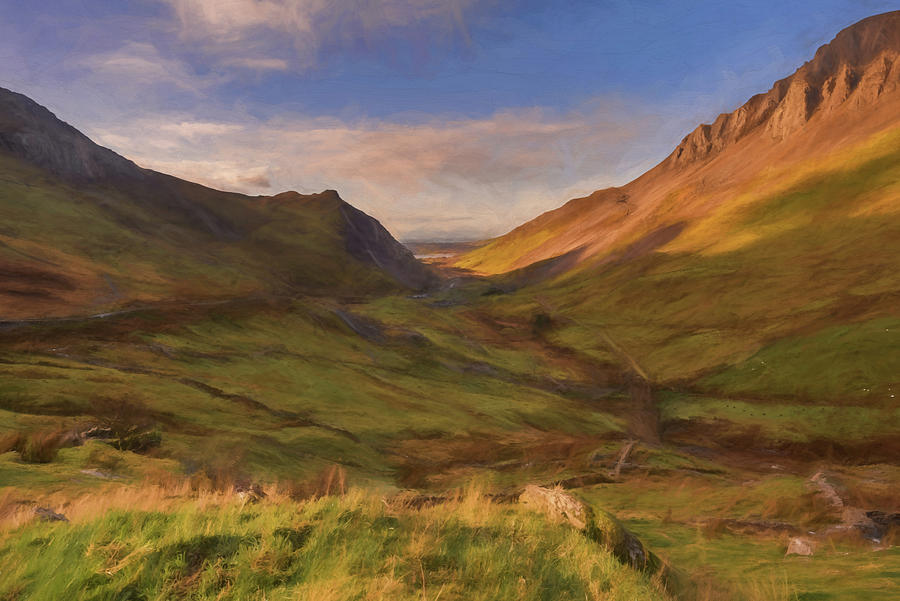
(855, 361)
(786, 292)
(783, 421)
(677, 519)
(334, 548)
(298, 390)
(758, 567)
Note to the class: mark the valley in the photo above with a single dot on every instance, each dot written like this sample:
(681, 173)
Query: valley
(213, 395)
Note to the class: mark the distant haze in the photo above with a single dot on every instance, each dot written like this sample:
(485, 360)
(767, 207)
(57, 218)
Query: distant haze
(445, 119)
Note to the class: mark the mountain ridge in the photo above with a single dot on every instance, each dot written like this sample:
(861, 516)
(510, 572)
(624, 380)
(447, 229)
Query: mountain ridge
(838, 70)
(858, 78)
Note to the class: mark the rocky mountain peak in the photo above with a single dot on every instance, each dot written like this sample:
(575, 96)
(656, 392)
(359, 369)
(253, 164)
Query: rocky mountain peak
(855, 69)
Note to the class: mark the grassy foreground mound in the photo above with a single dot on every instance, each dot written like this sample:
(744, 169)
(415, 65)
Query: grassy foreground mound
(358, 546)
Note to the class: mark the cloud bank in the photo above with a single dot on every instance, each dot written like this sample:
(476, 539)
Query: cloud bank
(464, 178)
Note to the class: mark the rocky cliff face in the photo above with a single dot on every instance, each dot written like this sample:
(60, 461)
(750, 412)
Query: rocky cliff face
(368, 241)
(860, 65)
(34, 134)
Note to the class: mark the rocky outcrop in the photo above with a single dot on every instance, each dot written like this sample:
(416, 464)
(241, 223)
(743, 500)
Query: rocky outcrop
(857, 67)
(599, 526)
(800, 546)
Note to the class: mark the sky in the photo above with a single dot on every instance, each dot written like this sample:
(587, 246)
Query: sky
(444, 119)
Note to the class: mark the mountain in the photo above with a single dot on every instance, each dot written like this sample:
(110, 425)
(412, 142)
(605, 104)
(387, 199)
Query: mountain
(85, 229)
(758, 261)
(846, 94)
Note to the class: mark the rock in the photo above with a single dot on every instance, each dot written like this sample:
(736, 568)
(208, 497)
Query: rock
(34, 134)
(800, 546)
(556, 503)
(45, 514)
(884, 520)
(100, 474)
(599, 526)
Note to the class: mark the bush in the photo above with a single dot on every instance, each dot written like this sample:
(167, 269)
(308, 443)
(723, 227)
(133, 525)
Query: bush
(36, 447)
(128, 423)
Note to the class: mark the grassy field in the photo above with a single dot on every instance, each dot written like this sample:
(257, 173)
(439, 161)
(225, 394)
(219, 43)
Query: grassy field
(280, 390)
(358, 546)
(399, 393)
(732, 526)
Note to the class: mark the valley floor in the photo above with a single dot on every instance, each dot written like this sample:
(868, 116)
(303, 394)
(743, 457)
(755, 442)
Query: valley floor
(339, 409)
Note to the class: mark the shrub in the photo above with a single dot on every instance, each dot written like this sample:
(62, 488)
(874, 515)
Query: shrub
(331, 480)
(129, 423)
(41, 447)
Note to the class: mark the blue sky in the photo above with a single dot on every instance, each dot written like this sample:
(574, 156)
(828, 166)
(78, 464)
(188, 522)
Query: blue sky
(443, 118)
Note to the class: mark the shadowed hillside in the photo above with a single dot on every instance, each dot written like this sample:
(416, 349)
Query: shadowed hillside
(86, 230)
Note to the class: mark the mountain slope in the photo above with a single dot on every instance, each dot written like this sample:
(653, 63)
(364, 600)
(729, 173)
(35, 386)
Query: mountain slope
(758, 262)
(847, 93)
(85, 230)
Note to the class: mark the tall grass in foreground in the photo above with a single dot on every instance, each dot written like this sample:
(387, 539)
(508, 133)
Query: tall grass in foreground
(163, 545)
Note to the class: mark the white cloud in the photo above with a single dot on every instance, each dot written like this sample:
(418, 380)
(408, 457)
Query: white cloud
(230, 29)
(141, 64)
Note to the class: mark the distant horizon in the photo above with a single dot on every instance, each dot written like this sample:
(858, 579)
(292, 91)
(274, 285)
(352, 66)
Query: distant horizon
(447, 121)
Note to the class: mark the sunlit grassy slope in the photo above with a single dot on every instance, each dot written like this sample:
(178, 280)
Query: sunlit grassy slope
(355, 547)
(789, 290)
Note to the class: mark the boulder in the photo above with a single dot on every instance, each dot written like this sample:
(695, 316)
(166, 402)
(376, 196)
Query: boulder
(599, 526)
(800, 546)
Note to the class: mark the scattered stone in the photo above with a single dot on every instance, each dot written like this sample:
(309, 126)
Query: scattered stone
(800, 546)
(97, 432)
(45, 514)
(884, 520)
